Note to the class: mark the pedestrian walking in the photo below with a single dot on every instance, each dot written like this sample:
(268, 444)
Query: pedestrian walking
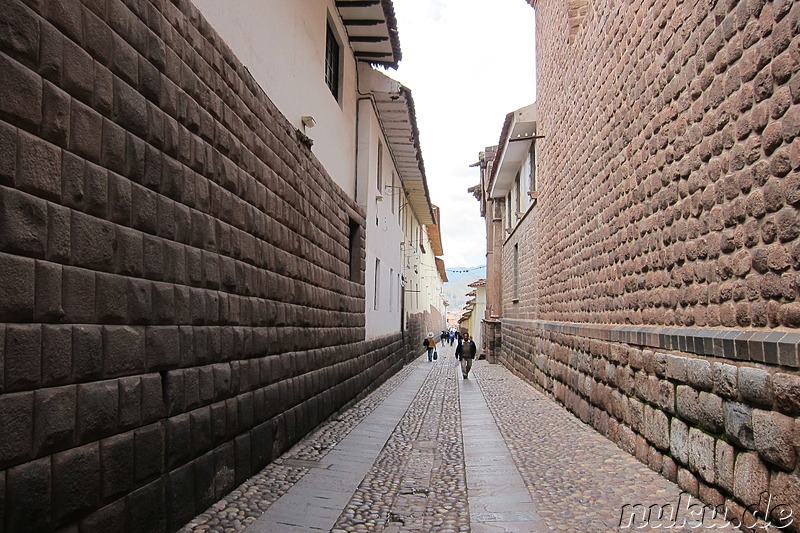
(452, 336)
(430, 344)
(465, 352)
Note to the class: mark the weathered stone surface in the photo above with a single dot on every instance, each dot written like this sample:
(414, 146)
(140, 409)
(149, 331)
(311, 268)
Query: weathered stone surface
(701, 454)
(739, 424)
(679, 441)
(774, 437)
(724, 465)
(751, 477)
(725, 379)
(785, 489)
(710, 412)
(755, 386)
(688, 404)
(698, 374)
(786, 388)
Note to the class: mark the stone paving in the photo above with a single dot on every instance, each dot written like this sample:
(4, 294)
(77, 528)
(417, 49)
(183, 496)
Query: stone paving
(577, 479)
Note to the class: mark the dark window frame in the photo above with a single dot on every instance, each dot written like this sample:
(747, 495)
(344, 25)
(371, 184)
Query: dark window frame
(333, 51)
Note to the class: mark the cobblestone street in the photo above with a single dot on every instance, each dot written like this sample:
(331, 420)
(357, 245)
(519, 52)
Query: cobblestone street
(410, 469)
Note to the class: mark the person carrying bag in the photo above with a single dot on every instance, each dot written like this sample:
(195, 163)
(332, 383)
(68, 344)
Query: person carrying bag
(430, 344)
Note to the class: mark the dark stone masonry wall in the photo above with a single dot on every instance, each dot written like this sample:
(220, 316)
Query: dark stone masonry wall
(659, 270)
(176, 303)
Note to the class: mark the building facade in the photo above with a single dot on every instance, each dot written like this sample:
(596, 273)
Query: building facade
(182, 252)
(364, 129)
(648, 279)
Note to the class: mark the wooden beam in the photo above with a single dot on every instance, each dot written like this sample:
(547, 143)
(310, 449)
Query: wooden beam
(372, 54)
(357, 3)
(367, 39)
(363, 22)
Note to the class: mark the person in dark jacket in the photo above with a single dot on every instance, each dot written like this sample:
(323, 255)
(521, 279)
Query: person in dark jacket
(465, 352)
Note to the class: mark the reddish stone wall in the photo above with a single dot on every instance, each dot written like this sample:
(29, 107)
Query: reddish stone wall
(176, 303)
(669, 168)
(669, 181)
(724, 430)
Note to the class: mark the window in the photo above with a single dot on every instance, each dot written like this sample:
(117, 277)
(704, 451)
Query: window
(532, 177)
(379, 174)
(332, 62)
(355, 251)
(517, 194)
(421, 239)
(516, 273)
(508, 211)
(377, 283)
(391, 289)
(399, 289)
(394, 192)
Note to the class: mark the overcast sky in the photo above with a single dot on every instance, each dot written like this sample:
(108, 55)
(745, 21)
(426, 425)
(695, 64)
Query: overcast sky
(468, 63)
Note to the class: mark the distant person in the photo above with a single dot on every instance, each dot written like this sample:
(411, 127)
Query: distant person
(430, 344)
(465, 352)
(443, 336)
(451, 336)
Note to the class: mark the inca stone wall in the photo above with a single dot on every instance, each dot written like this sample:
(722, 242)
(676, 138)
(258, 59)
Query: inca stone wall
(176, 303)
(669, 169)
(668, 193)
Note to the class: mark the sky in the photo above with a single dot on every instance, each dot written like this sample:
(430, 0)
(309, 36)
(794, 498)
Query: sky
(468, 63)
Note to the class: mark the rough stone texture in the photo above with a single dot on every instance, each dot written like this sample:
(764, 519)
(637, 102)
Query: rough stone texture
(755, 386)
(702, 432)
(688, 209)
(774, 437)
(701, 454)
(166, 245)
(678, 124)
(724, 465)
(751, 478)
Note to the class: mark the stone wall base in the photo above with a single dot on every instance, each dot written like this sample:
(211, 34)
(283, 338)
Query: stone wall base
(725, 430)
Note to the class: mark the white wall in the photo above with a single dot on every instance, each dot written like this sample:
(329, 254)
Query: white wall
(383, 225)
(282, 43)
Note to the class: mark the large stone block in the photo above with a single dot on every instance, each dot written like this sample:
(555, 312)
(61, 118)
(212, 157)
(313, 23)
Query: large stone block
(54, 424)
(117, 465)
(38, 167)
(701, 454)
(180, 488)
(16, 419)
(774, 437)
(17, 282)
(29, 496)
(22, 105)
(679, 441)
(688, 404)
(98, 410)
(755, 386)
(23, 356)
(76, 482)
(710, 412)
(751, 478)
(659, 431)
(149, 450)
(725, 379)
(724, 465)
(785, 490)
(786, 390)
(146, 511)
(24, 221)
(739, 424)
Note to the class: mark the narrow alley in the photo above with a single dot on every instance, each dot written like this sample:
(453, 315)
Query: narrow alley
(430, 451)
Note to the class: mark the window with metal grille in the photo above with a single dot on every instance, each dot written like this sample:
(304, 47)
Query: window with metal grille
(332, 62)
